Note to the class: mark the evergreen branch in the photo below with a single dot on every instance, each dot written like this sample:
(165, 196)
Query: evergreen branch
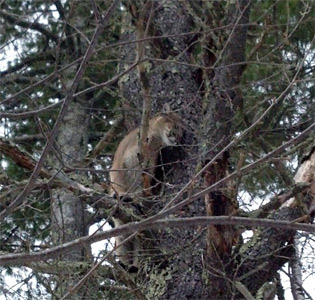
(14, 98)
(244, 170)
(27, 114)
(105, 140)
(278, 200)
(69, 37)
(16, 20)
(26, 62)
(26, 161)
(128, 229)
(56, 179)
(76, 81)
(26, 137)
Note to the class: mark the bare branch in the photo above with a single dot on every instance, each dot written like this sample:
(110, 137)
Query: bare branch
(233, 175)
(105, 140)
(16, 20)
(26, 114)
(14, 98)
(63, 112)
(19, 259)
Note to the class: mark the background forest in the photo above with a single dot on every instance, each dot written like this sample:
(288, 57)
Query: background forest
(232, 205)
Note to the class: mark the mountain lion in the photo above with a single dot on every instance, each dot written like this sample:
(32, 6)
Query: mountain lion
(128, 175)
(126, 172)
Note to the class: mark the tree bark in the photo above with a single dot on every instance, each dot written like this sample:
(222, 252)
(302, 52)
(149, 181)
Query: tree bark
(188, 231)
(199, 264)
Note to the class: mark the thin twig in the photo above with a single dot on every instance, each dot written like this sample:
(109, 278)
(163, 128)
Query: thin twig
(130, 228)
(89, 52)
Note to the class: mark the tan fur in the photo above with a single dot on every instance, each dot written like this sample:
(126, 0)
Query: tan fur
(126, 173)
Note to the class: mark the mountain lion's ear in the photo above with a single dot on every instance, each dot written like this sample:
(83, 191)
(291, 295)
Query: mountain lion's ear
(166, 109)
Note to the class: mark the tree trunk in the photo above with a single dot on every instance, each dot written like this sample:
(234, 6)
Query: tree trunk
(198, 264)
(67, 208)
(189, 55)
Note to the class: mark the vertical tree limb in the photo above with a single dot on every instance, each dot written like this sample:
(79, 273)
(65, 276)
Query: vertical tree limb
(142, 25)
(296, 273)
